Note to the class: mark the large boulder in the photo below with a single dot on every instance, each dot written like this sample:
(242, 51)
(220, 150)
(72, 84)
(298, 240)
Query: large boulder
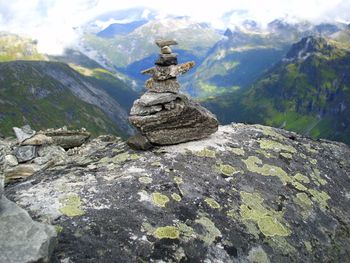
(180, 119)
(23, 240)
(247, 193)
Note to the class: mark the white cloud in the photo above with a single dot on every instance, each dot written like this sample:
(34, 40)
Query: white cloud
(55, 23)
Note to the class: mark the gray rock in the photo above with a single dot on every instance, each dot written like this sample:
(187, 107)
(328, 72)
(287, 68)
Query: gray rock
(165, 50)
(231, 197)
(38, 139)
(173, 71)
(25, 153)
(22, 239)
(187, 121)
(165, 60)
(165, 42)
(169, 85)
(53, 152)
(154, 98)
(139, 109)
(10, 160)
(68, 139)
(23, 133)
(139, 142)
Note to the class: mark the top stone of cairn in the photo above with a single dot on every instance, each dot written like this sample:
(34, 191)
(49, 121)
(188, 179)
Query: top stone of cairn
(165, 42)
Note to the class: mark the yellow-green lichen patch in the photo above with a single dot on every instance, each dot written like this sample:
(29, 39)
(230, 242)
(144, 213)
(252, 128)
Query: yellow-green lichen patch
(255, 165)
(308, 246)
(320, 197)
(212, 203)
(157, 164)
(302, 178)
(227, 169)
(160, 199)
(281, 245)
(186, 232)
(316, 177)
(268, 131)
(176, 197)
(237, 151)
(145, 180)
(258, 255)
(304, 202)
(313, 161)
(58, 228)
(268, 220)
(170, 232)
(270, 226)
(71, 205)
(134, 156)
(206, 153)
(267, 155)
(299, 186)
(178, 180)
(302, 155)
(212, 232)
(287, 155)
(276, 146)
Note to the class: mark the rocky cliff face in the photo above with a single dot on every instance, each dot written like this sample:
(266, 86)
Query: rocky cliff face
(248, 193)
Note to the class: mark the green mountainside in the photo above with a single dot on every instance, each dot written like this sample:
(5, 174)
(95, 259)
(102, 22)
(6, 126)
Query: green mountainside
(51, 94)
(307, 92)
(51, 91)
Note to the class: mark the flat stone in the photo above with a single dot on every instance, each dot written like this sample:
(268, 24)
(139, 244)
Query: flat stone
(166, 50)
(166, 60)
(166, 42)
(23, 133)
(21, 171)
(139, 109)
(22, 239)
(10, 160)
(169, 85)
(68, 139)
(25, 153)
(154, 98)
(164, 73)
(139, 142)
(38, 139)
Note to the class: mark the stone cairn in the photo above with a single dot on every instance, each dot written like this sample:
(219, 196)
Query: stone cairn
(162, 115)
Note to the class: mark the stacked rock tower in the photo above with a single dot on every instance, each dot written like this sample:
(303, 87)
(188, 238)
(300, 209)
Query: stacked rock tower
(163, 115)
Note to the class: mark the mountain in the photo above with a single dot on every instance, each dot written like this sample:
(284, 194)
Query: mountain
(120, 29)
(124, 50)
(249, 193)
(51, 94)
(308, 92)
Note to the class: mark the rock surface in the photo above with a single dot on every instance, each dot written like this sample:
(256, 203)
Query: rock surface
(247, 193)
(67, 138)
(23, 240)
(25, 153)
(24, 133)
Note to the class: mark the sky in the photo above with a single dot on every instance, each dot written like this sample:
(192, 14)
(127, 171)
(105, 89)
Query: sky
(55, 23)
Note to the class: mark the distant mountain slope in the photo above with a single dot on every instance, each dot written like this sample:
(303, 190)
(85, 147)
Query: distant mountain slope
(307, 92)
(50, 94)
(139, 44)
(120, 29)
